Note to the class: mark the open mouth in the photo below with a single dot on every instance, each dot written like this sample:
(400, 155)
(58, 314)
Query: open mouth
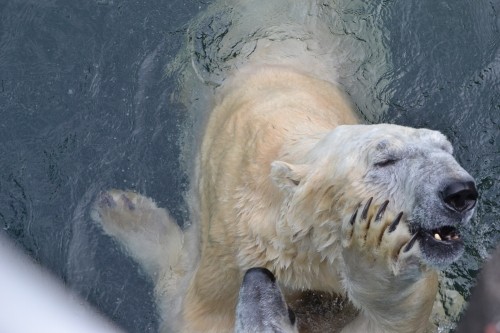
(445, 234)
(440, 246)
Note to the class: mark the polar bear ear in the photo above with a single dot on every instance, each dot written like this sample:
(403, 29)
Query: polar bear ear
(287, 176)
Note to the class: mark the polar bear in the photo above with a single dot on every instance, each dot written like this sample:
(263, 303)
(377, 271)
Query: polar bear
(282, 166)
(281, 179)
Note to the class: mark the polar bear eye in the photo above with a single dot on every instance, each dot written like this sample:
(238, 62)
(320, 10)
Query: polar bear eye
(386, 162)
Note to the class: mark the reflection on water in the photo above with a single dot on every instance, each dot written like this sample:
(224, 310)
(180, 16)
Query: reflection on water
(86, 105)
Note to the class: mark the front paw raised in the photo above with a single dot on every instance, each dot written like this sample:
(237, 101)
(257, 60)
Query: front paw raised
(380, 238)
(383, 273)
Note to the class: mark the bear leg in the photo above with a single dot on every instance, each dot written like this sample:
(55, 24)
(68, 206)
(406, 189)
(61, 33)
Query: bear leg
(146, 232)
(384, 275)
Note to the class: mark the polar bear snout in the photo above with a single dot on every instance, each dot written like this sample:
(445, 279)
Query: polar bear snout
(460, 196)
(438, 225)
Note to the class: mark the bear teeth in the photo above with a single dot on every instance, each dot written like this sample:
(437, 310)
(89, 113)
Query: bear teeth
(445, 234)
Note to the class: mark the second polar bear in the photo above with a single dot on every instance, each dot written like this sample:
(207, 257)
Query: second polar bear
(282, 166)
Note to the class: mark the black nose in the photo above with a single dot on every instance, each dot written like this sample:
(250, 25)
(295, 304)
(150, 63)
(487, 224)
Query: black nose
(460, 196)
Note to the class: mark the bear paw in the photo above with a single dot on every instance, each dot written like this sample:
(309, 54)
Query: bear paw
(381, 239)
(383, 273)
(121, 211)
(146, 231)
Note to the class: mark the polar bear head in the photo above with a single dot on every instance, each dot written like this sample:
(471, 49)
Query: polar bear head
(412, 168)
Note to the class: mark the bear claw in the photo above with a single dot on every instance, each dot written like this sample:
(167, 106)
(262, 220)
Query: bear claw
(128, 203)
(106, 200)
(353, 217)
(367, 207)
(410, 243)
(381, 211)
(395, 223)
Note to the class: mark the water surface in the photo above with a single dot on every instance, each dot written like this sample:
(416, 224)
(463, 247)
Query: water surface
(86, 105)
